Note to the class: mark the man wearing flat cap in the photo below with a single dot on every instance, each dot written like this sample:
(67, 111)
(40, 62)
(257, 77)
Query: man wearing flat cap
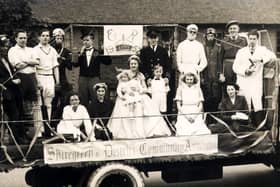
(153, 55)
(210, 75)
(232, 43)
(190, 53)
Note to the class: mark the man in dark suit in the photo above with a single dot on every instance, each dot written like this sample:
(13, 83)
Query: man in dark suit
(11, 95)
(89, 61)
(153, 55)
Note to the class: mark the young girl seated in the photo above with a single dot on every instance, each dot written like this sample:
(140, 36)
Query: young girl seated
(189, 100)
(73, 117)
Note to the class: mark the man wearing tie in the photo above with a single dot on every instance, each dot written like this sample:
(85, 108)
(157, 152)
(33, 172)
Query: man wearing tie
(89, 61)
(153, 55)
(248, 66)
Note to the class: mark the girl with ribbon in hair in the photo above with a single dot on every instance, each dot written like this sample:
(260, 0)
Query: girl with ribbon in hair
(189, 99)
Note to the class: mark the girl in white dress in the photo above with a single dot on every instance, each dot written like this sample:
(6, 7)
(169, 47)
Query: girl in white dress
(189, 100)
(144, 120)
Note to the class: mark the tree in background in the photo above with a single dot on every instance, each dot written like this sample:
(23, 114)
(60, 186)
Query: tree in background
(17, 14)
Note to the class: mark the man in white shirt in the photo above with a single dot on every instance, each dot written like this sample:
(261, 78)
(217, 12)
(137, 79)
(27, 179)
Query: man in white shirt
(47, 70)
(23, 60)
(190, 53)
(248, 66)
(89, 61)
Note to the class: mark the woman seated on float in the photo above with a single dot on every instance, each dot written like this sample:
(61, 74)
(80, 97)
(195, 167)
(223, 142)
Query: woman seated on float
(74, 117)
(237, 107)
(100, 110)
(133, 115)
(189, 99)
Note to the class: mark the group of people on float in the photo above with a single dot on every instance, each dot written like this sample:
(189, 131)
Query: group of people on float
(205, 70)
(25, 71)
(234, 66)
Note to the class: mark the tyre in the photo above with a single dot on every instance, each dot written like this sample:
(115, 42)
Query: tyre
(47, 177)
(116, 175)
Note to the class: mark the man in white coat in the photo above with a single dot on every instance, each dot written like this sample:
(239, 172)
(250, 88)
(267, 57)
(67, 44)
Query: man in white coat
(190, 53)
(248, 66)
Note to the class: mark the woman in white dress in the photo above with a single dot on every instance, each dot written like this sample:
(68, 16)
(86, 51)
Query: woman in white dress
(134, 116)
(189, 99)
(73, 117)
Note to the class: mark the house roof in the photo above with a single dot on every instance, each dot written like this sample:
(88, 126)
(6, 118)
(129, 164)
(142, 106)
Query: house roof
(157, 11)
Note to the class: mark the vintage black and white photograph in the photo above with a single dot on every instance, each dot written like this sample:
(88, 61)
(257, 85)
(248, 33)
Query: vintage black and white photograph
(139, 93)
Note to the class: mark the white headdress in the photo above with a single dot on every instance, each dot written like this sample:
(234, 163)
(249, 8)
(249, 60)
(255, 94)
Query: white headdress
(58, 31)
